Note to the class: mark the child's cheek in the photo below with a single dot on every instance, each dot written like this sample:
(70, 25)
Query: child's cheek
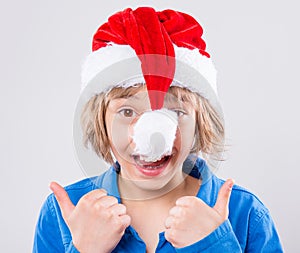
(186, 131)
(121, 138)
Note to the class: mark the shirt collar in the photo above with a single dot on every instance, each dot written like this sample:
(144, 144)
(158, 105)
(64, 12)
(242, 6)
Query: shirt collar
(194, 166)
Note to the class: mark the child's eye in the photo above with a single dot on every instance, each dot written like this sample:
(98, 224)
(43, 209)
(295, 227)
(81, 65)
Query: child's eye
(179, 112)
(128, 113)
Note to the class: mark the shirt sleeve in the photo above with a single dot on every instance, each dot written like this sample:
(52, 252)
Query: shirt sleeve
(263, 238)
(222, 240)
(48, 237)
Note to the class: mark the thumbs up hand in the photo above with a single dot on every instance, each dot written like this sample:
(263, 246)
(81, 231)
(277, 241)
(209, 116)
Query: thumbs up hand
(96, 223)
(190, 220)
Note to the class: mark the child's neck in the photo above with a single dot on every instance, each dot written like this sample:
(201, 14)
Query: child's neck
(180, 185)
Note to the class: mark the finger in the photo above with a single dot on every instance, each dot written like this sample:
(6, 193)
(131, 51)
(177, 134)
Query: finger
(126, 220)
(107, 201)
(221, 205)
(118, 209)
(187, 201)
(169, 222)
(62, 197)
(183, 201)
(176, 211)
(170, 235)
(95, 195)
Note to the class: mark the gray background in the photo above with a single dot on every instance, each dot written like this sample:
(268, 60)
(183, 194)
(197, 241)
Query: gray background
(255, 47)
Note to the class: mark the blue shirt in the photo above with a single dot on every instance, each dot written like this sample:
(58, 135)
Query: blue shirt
(249, 227)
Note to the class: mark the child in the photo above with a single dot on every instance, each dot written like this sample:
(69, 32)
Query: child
(151, 109)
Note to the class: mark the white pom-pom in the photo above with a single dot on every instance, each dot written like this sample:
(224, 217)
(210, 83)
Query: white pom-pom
(154, 134)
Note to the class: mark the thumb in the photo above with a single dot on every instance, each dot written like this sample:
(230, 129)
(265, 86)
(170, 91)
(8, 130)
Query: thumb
(62, 197)
(221, 205)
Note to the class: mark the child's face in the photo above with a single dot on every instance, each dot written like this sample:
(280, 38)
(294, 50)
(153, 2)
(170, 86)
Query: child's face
(121, 115)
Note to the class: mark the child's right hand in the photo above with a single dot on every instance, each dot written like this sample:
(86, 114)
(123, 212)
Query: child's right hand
(96, 223)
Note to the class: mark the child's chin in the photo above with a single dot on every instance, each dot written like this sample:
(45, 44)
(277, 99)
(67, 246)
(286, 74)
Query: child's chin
(155, 180)
(156, 187)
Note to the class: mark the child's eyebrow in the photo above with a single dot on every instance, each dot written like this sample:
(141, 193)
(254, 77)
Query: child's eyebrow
(138, 96)
(130, 100)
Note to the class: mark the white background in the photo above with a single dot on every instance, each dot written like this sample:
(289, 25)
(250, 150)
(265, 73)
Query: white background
(255, 47)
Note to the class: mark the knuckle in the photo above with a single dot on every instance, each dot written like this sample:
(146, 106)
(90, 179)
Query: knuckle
(125, 221)
(95, 194)
(86, 198)
(98, 207)
(123, 208)
(119, 225)
(182, 212)
(102, 191)
(113, 199)
(83, 203)
(171, 236)
(189, 201)
(102, 211)
(177, 244)
(106, 201)
(167, 223)
(175, 223)
(110, 213)
(100, 204)
(168, 235)
(107, 215)
(193, 202)
(109, 199)
(173, 210)
(197, 203)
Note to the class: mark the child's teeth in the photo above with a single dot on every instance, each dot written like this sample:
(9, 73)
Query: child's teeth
(151, 160)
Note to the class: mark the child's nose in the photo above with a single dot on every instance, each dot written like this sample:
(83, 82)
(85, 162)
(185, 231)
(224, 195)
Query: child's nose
(154, 133)
(157, 142)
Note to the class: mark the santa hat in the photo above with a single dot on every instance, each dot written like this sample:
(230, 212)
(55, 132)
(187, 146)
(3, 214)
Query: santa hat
(159, 48)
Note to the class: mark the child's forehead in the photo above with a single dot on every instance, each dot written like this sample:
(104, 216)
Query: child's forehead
(142, 94)
(134, 98)
(139, 95)
(139, 91)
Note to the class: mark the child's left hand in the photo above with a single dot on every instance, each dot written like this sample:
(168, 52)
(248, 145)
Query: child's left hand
(190, 220)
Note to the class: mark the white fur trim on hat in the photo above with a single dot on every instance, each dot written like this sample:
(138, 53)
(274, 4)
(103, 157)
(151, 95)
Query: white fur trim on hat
(105, 57)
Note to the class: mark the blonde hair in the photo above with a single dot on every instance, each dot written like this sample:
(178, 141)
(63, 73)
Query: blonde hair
(209, 134)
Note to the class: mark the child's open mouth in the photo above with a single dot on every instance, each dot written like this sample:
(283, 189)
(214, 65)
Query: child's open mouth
(151, 168)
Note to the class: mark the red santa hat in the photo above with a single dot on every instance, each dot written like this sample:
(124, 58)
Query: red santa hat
(159, 48)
